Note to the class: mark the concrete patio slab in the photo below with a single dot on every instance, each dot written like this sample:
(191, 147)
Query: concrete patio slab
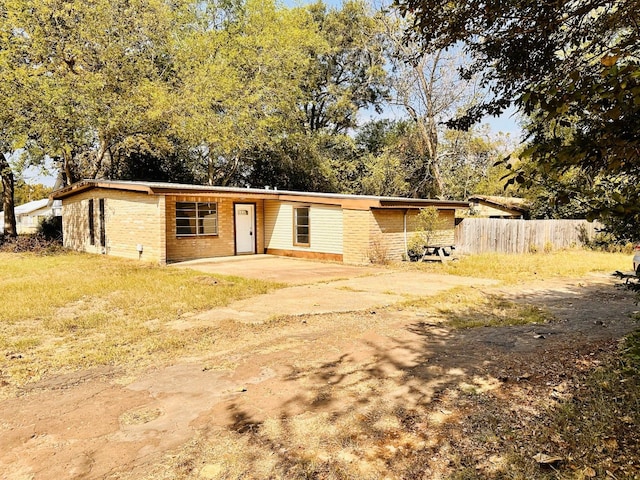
(294, 271)
(319, 287)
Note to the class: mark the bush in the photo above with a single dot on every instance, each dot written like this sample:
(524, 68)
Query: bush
(378, 252)
(51, 229)
(604, 241)
(36, 243)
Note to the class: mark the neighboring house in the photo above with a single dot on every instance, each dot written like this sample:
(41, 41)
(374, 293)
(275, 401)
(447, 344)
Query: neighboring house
(29, 215)
(498, 207)
(167, 222)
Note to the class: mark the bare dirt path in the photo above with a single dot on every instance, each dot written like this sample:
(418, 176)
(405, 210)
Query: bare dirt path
(102, 424)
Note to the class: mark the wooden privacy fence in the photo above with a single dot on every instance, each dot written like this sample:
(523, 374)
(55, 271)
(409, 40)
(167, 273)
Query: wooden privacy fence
(480, 235)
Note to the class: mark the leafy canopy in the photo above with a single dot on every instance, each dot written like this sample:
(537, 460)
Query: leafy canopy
(573, 67)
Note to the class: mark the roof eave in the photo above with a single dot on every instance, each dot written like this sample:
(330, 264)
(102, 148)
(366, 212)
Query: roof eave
(85, 185)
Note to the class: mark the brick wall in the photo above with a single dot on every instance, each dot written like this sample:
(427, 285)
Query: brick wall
(223, 244)
(387, 233)
(130, 219)
(356, 236)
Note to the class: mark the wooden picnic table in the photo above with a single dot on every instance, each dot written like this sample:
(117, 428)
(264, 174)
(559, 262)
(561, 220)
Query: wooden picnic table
(443, 252)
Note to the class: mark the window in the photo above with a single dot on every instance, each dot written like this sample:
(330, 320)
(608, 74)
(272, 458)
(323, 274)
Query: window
(301, 226)
(103, 232)
(196, 218)
(92, 232)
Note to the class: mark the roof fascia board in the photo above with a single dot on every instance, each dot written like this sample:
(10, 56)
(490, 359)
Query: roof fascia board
(177, 189)
(348, 203)
(92, 184)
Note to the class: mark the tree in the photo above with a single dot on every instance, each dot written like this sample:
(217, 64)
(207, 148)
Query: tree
(104, 71)
(383, 158)
(339, 73)
(427, 86)
(19, 93)
(572, 66)
(467, 162)
(347, 72)
(294, 163)
(25, 192)
(240, 68)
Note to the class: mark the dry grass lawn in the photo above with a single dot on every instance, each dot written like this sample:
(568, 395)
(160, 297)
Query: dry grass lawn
(373, 412)
(71, 311)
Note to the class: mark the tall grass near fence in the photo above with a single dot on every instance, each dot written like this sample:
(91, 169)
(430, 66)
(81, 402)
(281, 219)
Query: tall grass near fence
(518, 268)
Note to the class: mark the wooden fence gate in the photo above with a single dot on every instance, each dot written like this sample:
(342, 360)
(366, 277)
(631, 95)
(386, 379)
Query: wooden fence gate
(480, 235)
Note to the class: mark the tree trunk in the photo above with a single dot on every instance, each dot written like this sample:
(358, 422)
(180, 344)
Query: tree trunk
(7, 197)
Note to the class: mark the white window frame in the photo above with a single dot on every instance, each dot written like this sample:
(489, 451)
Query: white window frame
(296, 227)
(203, 222)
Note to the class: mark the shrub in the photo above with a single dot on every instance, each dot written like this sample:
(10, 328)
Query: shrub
(378, 252)
(51, 229)
(36, 243)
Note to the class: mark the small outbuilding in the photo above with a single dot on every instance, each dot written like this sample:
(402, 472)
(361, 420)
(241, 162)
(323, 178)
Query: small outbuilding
(30, 215)
(487, 206)
(166, 222)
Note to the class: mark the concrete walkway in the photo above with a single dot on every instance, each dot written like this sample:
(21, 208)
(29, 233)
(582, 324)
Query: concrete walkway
(319, 287)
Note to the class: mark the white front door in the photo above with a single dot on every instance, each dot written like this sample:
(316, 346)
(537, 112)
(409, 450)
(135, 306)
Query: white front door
(245, 228)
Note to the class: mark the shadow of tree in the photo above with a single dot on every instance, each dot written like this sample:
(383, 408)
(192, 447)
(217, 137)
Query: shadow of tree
(423, 401)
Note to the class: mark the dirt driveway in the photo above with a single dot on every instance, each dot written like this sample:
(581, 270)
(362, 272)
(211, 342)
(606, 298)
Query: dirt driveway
(318, 348)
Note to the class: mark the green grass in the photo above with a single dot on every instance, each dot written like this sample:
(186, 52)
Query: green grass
(461, 308)
(72, 311)
(528, 267)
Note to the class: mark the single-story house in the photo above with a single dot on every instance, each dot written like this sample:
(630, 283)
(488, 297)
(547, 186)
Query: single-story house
(29, 215)
(166, 222)
(487, 206)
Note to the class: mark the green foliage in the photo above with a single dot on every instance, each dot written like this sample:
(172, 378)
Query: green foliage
(631, 352)
(241, 69)
(50, 228)
(24, 192)
(573, 68)
(428, 224)
(347, 72)
(296, 162)
(468, 162)
(604, 241)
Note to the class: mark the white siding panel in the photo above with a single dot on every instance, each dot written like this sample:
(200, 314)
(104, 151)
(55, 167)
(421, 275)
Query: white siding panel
(325, 227)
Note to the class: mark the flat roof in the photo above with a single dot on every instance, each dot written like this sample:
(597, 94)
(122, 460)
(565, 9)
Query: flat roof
(163, 188)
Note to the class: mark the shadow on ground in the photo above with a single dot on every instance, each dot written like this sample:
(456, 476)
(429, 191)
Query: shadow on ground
(414, 399)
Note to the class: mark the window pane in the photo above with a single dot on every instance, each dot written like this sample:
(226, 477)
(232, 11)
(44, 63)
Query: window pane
(302, 225)
(210, 224)
(185, 218)
(207, 218)
(185, 227)
(196, 218)
(92, 233)
(185, 209)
